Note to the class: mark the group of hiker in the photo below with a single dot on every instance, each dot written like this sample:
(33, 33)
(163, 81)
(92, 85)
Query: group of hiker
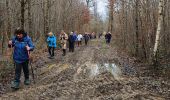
(23, 44)
(73, 39)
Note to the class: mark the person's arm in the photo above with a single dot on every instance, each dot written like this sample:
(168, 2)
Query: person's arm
(55, 41)
(30, 46)
(66, 37)
(11, 43)
(48, 39)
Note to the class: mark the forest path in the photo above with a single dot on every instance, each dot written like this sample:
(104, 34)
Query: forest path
(93, 72)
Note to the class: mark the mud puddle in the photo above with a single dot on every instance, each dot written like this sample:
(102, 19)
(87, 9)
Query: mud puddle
(91, 70)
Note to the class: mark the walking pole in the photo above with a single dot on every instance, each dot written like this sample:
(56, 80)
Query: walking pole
(30, 63)
(32, 72)
(12, 55)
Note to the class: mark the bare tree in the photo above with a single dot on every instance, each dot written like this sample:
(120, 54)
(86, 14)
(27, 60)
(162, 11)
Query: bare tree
(159, 27)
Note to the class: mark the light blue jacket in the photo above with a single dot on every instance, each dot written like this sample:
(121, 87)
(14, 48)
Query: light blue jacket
(51, 40)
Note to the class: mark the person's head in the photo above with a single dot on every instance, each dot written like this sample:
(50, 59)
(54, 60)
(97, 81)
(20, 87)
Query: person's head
(50, 34)
(71, 33)
(62, 32)
(20, 33)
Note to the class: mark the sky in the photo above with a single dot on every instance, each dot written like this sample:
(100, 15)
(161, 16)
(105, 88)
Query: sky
(102, 8)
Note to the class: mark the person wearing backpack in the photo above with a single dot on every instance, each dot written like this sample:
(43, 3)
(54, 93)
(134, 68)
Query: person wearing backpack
(108, 37)
(71, 41)
(63, 39)
(79, 38)
(86, 38)
(22, 45)
(51, 41)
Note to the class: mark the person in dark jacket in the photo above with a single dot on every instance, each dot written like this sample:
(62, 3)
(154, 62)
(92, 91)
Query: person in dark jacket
(51, 40)
(108, 37)
(22, 45)
(75, 38)
(71, 41)
(86, 38)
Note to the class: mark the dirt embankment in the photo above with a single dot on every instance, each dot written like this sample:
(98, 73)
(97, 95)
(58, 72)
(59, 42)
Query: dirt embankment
(93, 72)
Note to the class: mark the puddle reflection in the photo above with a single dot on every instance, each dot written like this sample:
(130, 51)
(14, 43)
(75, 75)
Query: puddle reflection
(110, 67)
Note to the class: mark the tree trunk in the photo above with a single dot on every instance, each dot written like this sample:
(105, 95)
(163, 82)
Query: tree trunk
(22, 13)
(137, 29)
(110, 28)
(8, 19)
(159, 27)
(29, 18)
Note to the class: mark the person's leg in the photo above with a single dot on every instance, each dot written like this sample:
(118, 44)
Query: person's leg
(64, 52)
(69, 46)
(80, 43)
(85, 42)
(73, 47)
(108, 41)
(15, 83)
(26, 72)
(18, 68)
(52, 51)
(49, 50)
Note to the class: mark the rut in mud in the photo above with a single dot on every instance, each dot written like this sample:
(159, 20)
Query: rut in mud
(93, 72)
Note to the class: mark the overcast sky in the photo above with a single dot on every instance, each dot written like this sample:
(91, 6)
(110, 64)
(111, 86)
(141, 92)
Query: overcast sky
(102, 8)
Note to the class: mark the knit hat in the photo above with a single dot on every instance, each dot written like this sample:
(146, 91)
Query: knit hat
(50, 34)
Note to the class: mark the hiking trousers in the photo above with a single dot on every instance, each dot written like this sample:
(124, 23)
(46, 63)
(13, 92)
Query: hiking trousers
(19, 67)
(71, 46)
(51, 51)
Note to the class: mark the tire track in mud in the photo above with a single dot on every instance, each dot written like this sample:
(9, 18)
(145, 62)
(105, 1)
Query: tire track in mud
(86, 74)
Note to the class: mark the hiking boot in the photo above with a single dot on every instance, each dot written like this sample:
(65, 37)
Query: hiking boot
(15, 84)
(27, 82)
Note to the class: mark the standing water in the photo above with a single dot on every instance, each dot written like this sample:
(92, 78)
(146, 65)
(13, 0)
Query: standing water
(109, 67)
(92, 70)
(113, 69)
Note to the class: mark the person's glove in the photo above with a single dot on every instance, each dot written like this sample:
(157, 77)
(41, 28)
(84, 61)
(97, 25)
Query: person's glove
(10, 42)
(28, 48)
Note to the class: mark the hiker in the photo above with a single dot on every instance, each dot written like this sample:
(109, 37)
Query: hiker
(79, 38)
(100, 34)
(22, 45)
(86, 38)
(108, 37)
(71, 42)
(51, 40)
(93, 35)
(75, 38)
(63, 39)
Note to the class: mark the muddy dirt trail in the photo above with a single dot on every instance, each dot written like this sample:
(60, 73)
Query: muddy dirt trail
(93, 72)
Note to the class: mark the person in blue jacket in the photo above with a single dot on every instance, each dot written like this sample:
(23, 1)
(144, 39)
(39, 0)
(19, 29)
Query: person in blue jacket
(51, 41)
(71, 41)
(75, 37)
(22, 45)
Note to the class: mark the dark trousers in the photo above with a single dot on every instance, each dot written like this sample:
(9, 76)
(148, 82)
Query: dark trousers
(51, 51)
(108, 41)
(64, 52)
(86, 41)
(71, 46)
(19, 67)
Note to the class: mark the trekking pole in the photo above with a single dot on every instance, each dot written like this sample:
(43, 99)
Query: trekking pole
(11, 47)
(32, 72)
(30, 63)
